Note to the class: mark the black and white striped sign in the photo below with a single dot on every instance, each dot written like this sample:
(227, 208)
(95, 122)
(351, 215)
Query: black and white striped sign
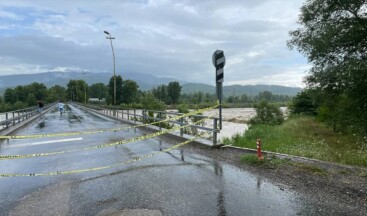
(219, 60)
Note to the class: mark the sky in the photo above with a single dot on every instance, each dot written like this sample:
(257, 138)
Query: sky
(165, 38)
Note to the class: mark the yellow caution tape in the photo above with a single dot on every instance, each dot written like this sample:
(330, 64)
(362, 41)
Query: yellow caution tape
(106, 130)
(102, 167)
(7, 157)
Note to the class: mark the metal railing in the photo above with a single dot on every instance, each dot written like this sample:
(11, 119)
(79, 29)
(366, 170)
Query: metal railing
(151, 116)
(11, 118)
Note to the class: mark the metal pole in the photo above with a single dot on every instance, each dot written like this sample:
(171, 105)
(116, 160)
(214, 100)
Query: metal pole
(135, 116)
(6, 118)
(181, 129)
(114, 73)
(160, 119)
(219, 94)
(220, 105)
(85, 89)
(114, 66)
(215, 131)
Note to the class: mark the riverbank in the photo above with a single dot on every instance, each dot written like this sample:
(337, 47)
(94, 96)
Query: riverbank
(306, 137)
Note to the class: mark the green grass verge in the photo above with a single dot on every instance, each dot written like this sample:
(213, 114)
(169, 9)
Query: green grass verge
(304, 136)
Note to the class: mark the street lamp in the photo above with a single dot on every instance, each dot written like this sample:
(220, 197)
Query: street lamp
(114, 74)
(85, 89)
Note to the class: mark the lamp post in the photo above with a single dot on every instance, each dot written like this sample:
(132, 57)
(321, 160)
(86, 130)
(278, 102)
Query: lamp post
(114, 74)
(85, 89)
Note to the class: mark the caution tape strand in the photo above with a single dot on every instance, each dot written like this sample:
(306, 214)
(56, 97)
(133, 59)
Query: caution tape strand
(121, 142)
(107, 130)
(102, 167)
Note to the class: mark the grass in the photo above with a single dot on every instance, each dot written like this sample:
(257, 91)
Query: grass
(304, 136)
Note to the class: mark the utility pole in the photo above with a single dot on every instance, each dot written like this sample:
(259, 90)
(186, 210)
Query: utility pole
(85, 89)
(114, 66)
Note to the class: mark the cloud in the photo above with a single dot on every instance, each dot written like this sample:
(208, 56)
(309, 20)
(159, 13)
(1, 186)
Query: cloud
(9, 15)
(164, 38)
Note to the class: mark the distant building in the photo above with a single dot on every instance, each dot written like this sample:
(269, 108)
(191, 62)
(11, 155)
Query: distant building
(97, 100)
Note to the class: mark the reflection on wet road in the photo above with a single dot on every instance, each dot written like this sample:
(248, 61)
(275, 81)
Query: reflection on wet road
(172, 183)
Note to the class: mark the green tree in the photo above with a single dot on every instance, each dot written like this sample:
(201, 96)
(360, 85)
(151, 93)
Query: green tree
(38, 89)
(31, 100)
(98, 90)
(174, 92)
(119, 92)
(333, 35)
(244, 98)
(266, 95)
(304, 103)
(55, 93)
(161, 93)
(21, 93)
(76, 90)
(129, 91)
(10, 96)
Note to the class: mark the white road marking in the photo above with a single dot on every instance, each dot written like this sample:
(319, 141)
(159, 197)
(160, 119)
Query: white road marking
(45, 142)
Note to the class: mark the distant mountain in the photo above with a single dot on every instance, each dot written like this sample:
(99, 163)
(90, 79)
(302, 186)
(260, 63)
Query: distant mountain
(197, 87)
(250, 90)
(145, 82)
(255, 89)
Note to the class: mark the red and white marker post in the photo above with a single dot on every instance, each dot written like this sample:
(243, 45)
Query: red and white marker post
(258, 146)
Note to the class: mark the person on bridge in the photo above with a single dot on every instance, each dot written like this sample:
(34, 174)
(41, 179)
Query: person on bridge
(60, 105)
(40, 106)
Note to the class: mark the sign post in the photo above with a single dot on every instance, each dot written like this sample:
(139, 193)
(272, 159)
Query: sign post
(219, 60)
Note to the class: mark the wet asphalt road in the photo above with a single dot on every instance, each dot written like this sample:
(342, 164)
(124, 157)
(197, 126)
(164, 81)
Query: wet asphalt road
(173, 183)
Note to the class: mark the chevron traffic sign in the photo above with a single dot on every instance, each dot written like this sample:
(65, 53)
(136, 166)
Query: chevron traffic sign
(219, 60)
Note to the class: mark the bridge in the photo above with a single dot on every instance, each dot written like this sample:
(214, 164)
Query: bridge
(106, 161)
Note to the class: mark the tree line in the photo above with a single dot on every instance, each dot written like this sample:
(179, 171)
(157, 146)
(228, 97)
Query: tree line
(243, 99)
(333, 36)
(25, 96)
(127, 93)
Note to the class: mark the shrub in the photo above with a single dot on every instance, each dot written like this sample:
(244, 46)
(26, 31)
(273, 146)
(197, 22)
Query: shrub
(149, 102)
(267, 114)
(183, 108)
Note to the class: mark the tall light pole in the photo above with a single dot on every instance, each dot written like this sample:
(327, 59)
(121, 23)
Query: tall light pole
(85, 89)
(114, 67)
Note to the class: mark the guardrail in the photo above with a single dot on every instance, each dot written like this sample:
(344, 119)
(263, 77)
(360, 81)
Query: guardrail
(145, 116)
(11, 118)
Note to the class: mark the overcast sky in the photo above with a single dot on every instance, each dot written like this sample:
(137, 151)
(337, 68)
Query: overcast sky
(165, 38)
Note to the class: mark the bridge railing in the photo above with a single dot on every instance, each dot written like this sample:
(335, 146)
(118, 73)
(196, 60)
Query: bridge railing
(10, 118)
(151, 116)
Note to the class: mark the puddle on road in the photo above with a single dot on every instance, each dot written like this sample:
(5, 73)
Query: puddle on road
(41, 125)
(240, 192)
(189, 184)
